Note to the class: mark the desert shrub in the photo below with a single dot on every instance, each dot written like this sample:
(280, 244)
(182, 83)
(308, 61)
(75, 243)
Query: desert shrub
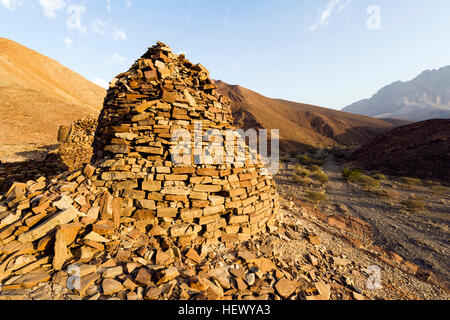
(338, 153)
(387, 193)
(351, 175)
(379, 176)
(293, 154)
(345, 173)
(313, 151)
(314, 168)
(439, 189)
(432, 183)
(414, 203)
(410, 181)
(321, 177)
(316, 196)
(305, 160)
(368, 182)
(319, 162)
(303, 181)
(302, 172)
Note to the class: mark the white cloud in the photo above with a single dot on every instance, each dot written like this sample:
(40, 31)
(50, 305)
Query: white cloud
(108, 5)
(11, 4)
(102, 83)
(128, 3)
(50, 7)
(343, 5)
(226, 14)
(236, 66)
(98, 26)
(68, 41)
(325, 16)
(119, 34)
(74, 20)
(116, 59)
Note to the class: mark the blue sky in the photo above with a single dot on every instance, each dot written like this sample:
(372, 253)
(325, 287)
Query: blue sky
(324, 52)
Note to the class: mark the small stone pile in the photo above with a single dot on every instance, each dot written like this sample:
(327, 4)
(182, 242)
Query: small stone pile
(133, 213)
(75, 149)
(79, 132)
(72, 153)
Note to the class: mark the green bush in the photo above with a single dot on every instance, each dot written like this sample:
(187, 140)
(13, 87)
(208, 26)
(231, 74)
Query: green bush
(338, 153)
(386, 193)
(303, 181)
(314, 168)
(411, 181)
(414, 203)
(432, 183)
(368, 182)
(305, 160)
(317, 196)
(440, 189)
(319, 162)
(300, 171)
(379, 176)
(351, 175)
(321, 177)
(293, 154)
(313, 151)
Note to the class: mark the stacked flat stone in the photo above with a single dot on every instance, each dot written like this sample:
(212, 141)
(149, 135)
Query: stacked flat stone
(163, 92)
(75, 149)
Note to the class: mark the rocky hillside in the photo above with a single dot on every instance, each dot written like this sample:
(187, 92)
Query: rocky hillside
(420, 149)
(37, 94)
(300, 125)
(423, 98)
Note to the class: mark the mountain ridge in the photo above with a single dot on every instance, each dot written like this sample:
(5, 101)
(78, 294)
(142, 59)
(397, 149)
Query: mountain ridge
(425, 97)
(420, 149)
(301, 125)
(38, 94)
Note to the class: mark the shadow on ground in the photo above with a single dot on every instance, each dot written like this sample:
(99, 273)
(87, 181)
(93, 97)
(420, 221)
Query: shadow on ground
(38, 163)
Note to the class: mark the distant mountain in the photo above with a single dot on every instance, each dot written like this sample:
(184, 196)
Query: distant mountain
(421, 149)
(397, 122)
(300, 125)
(425, 97)
(37, 95)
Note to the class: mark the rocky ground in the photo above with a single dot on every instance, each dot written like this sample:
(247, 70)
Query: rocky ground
(302, 259)
(421, 236)
(386, 222)
(344, 247)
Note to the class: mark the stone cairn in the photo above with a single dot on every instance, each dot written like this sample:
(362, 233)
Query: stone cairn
(132, 208)
(163, 92)
(75, 148)
(73, 152)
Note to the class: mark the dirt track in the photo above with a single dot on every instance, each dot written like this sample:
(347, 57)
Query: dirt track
(421, 237)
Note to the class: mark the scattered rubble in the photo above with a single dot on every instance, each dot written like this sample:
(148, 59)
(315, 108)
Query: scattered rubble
(132, 225)
(134, 203)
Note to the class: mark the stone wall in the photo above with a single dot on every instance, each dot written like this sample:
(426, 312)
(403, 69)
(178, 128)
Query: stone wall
(161, 93)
